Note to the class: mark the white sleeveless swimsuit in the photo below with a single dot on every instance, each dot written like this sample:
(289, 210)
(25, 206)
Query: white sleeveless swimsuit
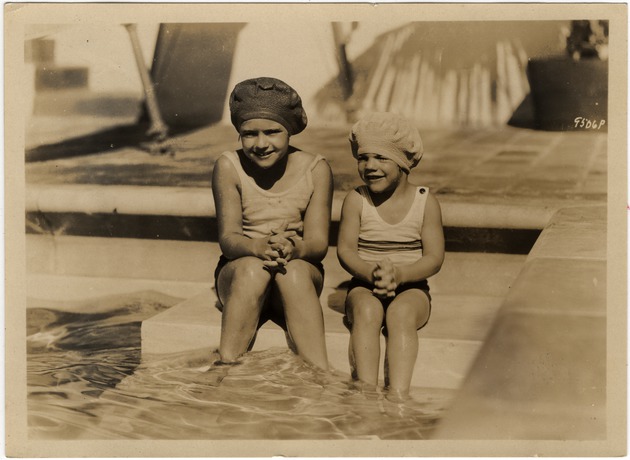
(401, 242)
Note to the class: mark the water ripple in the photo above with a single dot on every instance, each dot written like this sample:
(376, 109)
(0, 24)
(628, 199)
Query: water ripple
(86, 380)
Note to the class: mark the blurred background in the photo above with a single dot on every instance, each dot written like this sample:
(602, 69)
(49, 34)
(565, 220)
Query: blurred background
(442, 74)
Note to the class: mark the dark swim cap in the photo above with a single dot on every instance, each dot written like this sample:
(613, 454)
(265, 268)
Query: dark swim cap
(268, 98)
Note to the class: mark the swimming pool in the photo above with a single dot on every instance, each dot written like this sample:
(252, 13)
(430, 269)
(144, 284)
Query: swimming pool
(89, 377)
(86, 380)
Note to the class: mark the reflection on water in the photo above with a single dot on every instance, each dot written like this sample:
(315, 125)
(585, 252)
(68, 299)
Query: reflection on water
(86, 381)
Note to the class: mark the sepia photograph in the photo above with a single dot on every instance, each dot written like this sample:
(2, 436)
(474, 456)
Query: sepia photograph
(315, 230)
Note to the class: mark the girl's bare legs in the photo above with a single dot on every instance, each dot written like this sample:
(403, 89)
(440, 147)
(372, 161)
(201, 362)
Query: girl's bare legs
(407, 312)
(243, 287)
(366, 316)
(298, 289)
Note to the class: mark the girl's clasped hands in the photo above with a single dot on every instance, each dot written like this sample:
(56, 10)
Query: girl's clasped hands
(280, 248)
(385, 279)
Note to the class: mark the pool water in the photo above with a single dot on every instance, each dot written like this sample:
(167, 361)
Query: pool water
(86, 380)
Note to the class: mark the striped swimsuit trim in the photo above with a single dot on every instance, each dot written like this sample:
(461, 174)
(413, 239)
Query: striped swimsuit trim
(388, 246)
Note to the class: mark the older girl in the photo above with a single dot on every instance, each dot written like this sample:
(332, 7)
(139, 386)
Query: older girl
(273, 204)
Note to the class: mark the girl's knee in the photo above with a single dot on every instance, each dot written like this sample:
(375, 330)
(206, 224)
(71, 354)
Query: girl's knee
(399, 321)
(368, 315)
(297, 273)
(406, 316)
(249, 269)
(246, 271)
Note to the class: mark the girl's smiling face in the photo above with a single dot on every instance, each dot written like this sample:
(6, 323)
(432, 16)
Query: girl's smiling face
(379, 173)
(265, 142)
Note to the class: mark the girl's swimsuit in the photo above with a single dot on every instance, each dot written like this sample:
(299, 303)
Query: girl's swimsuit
(400, 242)
(264, 211)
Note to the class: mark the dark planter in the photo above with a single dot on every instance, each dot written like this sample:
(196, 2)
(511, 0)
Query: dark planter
(569, 95)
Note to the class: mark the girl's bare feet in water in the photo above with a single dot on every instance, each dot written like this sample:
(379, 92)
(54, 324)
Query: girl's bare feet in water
(397, 396)
(362, 393)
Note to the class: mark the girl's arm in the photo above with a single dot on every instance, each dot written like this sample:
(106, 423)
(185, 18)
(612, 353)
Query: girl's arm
(432, 247)
(314, 244)
(229, 213)
(347, 246)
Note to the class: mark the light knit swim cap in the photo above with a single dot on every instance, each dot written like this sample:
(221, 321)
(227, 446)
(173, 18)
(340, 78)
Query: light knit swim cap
(390, 135)
(270, 99)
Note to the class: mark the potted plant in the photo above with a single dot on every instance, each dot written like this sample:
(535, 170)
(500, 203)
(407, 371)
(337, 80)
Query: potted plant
(570, 92)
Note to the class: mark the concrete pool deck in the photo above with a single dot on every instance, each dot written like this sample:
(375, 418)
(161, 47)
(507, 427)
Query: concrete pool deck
(541, 373)
(495, 177)
(507, 179)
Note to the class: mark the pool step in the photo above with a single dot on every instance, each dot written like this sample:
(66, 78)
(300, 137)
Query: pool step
(61, 292)
(448, 344)
(187, 261)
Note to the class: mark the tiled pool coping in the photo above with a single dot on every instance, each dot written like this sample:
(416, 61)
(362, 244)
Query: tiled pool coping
(188, 214)
(542, 372)
(199, 202)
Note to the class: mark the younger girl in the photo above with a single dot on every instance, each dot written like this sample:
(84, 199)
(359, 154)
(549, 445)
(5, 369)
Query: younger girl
(273, 205)
(390, 241)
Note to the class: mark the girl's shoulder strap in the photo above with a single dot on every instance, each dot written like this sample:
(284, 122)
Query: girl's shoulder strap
(231, 155)
(236, 162)
(421, 201)
(308, 172)
(423, 191)
(365, 194)
(316, 159)
(363, 191)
